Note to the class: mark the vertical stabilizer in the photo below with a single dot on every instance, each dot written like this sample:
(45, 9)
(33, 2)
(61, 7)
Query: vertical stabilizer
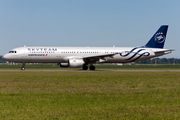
(158, 39)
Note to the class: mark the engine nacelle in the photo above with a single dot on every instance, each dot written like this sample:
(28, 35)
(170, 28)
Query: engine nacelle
(75, 63)
(64, 64)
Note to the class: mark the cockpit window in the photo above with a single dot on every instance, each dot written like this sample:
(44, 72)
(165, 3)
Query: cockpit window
(12, 52)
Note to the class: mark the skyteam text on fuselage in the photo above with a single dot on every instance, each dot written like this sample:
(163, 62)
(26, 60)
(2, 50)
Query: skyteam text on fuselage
(82, 56)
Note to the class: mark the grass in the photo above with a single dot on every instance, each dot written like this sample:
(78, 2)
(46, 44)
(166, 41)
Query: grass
(89, 95)
(98, 67)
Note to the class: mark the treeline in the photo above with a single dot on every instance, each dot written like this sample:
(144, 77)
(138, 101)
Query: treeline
(160, 61)
(2, 60)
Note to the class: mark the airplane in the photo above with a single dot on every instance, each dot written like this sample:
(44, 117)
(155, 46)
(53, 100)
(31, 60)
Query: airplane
(75, 57)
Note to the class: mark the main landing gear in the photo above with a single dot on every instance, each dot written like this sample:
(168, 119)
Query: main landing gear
(92, 67)
(85, 67)
(23, 67)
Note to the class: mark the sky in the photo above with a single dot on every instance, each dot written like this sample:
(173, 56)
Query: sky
(93, 23)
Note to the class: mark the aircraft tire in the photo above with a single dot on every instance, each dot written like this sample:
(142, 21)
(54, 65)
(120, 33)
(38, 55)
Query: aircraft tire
(92, 67)
(85, 67)
(22, 68)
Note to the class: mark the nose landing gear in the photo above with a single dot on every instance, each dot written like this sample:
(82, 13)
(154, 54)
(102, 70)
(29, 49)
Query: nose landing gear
(23, 67)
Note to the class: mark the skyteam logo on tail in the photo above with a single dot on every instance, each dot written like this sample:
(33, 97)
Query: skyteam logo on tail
(159, 37)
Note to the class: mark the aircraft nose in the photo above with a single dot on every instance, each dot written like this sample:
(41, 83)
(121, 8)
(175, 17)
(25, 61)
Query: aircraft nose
(6, 57)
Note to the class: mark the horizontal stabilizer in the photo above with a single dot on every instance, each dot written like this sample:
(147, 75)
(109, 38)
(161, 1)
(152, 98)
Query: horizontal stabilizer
(163, 51)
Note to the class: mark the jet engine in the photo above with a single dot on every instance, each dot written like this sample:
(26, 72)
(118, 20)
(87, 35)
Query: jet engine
(75, 63)
(64, 64)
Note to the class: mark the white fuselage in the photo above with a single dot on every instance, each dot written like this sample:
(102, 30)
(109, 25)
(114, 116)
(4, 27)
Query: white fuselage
(63, 54)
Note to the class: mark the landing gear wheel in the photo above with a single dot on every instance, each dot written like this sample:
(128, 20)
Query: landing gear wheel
(92, 67)
(85, 67)
(22, 68)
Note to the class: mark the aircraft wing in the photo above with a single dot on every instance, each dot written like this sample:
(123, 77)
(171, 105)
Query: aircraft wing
(100, 58)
